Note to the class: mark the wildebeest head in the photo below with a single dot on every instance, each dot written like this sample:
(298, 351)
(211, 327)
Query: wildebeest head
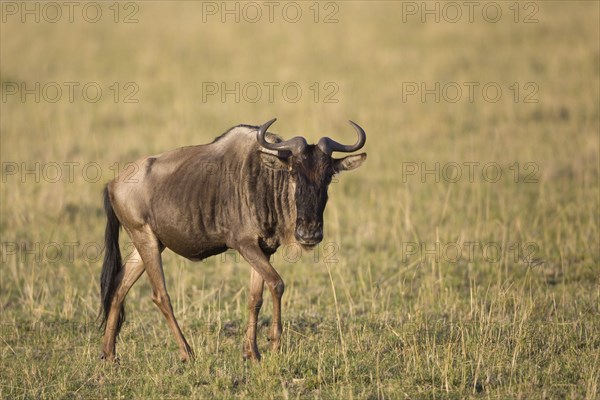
(311, 169)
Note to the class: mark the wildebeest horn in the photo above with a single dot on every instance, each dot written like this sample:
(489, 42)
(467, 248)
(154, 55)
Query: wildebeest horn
(328, 145)
(296, 144)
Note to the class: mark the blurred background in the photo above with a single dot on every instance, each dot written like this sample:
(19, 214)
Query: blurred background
(482, 123)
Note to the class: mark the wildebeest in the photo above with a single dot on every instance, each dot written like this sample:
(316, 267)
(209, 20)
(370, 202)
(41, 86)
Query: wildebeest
(248, 190)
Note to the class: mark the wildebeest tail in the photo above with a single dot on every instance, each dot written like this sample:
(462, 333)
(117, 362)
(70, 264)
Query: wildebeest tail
(112, 263)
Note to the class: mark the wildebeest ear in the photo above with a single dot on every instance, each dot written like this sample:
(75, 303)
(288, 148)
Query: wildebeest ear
(349, 163)
(274, 162)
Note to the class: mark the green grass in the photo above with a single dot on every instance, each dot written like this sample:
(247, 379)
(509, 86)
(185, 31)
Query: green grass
(372, 321)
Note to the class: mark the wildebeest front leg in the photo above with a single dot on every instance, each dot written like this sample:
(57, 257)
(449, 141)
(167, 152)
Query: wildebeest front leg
(260, 263)
(255, 301)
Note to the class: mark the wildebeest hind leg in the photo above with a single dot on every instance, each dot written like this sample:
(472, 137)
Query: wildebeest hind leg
(131, 272)
(150, 250)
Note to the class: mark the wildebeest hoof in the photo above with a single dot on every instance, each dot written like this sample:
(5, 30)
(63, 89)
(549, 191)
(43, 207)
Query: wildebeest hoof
(187, 357)
(112, 358)
(275, 340)
(114, 361)
(251, 355)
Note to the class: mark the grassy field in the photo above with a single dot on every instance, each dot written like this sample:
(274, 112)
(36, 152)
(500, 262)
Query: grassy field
(428, 284)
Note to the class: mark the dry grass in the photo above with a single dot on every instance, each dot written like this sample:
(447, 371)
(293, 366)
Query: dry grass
(376, 323)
